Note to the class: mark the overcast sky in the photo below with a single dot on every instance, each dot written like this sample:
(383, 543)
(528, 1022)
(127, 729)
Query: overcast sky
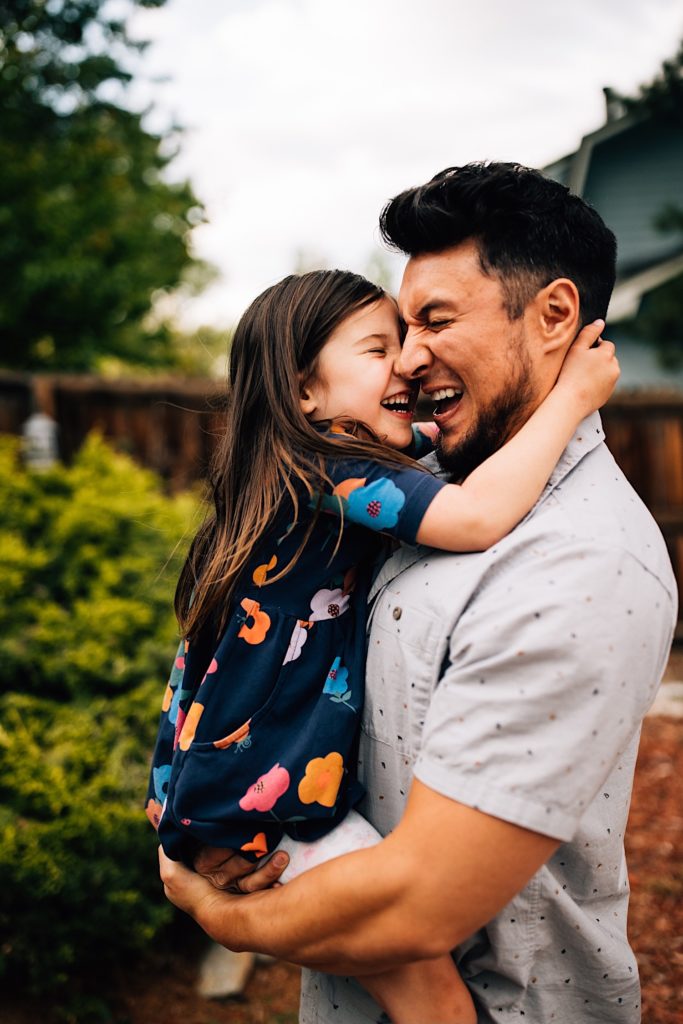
(303, 117)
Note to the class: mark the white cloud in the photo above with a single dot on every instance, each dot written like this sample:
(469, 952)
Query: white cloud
(304, 116)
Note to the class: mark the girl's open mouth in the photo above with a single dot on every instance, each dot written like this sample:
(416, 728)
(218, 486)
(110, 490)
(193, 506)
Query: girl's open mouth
(402, 403)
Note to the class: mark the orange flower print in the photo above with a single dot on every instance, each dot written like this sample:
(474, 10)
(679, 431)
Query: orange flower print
(347, 486)
(263, 794)
(190, 725)
(239, 736)
(153, 811)
(168, 697)
(321, 782)
(261, 571)
(256, 633)
(258, 845)
(350, 577)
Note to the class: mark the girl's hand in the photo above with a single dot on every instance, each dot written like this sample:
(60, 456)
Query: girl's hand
(429, 429)
(226, 870)
(590, 370)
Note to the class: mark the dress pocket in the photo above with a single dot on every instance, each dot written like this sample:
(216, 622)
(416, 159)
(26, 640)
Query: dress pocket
(242, 680)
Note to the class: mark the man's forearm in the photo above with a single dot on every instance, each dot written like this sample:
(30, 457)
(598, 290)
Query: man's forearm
(432, 883)
(353, 915)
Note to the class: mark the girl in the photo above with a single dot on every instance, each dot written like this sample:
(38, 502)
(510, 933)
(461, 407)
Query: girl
(259, 719)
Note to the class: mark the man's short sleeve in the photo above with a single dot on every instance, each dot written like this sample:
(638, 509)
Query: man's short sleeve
(550, 671)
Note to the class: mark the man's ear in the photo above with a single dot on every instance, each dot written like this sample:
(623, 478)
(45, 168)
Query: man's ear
(557, 309)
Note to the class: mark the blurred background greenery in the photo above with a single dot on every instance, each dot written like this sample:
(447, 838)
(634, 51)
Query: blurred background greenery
(93, 237)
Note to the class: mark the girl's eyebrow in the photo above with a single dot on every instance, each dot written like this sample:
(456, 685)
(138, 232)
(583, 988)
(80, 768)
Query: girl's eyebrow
(369, 337)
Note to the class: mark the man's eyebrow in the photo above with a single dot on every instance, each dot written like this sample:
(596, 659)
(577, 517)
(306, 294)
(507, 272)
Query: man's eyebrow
(433, 306)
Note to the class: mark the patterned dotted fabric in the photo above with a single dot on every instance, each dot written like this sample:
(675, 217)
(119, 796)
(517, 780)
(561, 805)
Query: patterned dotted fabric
(515, 681)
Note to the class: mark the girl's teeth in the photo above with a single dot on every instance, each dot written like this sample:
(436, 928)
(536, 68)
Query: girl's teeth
(402, 400)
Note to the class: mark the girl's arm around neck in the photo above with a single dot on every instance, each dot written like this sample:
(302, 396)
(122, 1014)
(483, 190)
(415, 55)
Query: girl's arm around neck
(477, 513)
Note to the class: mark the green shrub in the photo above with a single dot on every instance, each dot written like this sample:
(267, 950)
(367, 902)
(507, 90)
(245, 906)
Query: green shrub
(88, 560)
(86, 577)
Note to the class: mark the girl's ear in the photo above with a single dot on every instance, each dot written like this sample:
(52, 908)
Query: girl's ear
(307, 398)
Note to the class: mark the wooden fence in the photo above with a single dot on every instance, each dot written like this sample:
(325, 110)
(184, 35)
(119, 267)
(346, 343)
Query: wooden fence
(170, 425)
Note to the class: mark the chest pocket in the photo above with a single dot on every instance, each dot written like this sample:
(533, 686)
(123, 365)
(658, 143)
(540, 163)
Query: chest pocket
(405, 651)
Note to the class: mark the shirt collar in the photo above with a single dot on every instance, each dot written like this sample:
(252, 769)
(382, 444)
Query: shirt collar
(587, 436)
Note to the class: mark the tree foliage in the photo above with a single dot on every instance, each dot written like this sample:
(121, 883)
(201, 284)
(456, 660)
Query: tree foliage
(662, 97)
(91, 233)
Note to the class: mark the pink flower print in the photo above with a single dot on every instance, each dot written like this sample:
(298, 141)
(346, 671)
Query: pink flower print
(297, 640)
(213, 667)
(180, 722)
(328, 604)
(266, 791)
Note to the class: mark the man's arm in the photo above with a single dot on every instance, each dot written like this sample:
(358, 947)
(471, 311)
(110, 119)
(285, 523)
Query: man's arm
(443, 873)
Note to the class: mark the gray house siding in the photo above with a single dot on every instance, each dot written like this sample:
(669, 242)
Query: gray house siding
(630, 171)
(631, 178)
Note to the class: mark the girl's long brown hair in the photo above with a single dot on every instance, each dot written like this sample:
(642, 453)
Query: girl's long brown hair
(268, 444)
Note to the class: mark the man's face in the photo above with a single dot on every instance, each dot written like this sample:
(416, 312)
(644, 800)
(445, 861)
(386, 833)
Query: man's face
(471, 359)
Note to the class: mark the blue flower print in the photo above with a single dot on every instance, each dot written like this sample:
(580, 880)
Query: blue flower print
(336, 684)
(179, 695)
(336, 679)
(173, 711)
(178, 669)
(162, 774)
(376, 506)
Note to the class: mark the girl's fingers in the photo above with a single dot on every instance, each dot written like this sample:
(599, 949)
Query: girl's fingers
(587, 337)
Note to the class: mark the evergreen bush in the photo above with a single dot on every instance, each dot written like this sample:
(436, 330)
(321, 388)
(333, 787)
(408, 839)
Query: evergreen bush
(89, 555)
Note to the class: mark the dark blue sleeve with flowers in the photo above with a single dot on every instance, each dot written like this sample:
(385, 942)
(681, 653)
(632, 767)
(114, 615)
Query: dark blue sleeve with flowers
(390, 499)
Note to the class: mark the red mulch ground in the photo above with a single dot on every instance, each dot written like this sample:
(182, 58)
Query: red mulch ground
(655, 851)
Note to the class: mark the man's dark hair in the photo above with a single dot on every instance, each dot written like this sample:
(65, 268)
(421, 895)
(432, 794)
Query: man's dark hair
(528, 229)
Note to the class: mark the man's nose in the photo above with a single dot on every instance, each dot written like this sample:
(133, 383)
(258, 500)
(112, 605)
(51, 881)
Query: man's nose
(415, 358)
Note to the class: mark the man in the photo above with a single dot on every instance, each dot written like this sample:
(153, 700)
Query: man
(505, 689)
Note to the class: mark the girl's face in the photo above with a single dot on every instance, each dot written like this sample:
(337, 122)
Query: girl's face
(355, 376)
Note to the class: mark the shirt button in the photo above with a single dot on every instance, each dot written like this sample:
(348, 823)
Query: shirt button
(398, 612)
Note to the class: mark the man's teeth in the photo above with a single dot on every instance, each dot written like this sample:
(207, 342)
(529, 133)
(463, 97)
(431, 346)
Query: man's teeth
(443, 393)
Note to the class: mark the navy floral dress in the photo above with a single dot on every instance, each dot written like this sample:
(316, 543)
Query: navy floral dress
(258, 726)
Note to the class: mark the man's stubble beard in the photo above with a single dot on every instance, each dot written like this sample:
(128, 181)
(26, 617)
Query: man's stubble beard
(495, 424)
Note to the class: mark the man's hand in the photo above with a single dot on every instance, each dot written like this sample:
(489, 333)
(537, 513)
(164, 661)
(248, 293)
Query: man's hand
(226, 870)
(184, 888)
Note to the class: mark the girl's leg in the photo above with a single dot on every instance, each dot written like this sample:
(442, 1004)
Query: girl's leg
(424, 992)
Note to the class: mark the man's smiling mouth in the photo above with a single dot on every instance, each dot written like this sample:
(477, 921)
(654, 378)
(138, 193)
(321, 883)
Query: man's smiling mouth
(445, 399)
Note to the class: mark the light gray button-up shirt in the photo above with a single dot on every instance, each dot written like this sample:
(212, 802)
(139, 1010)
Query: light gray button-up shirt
(515, 681)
